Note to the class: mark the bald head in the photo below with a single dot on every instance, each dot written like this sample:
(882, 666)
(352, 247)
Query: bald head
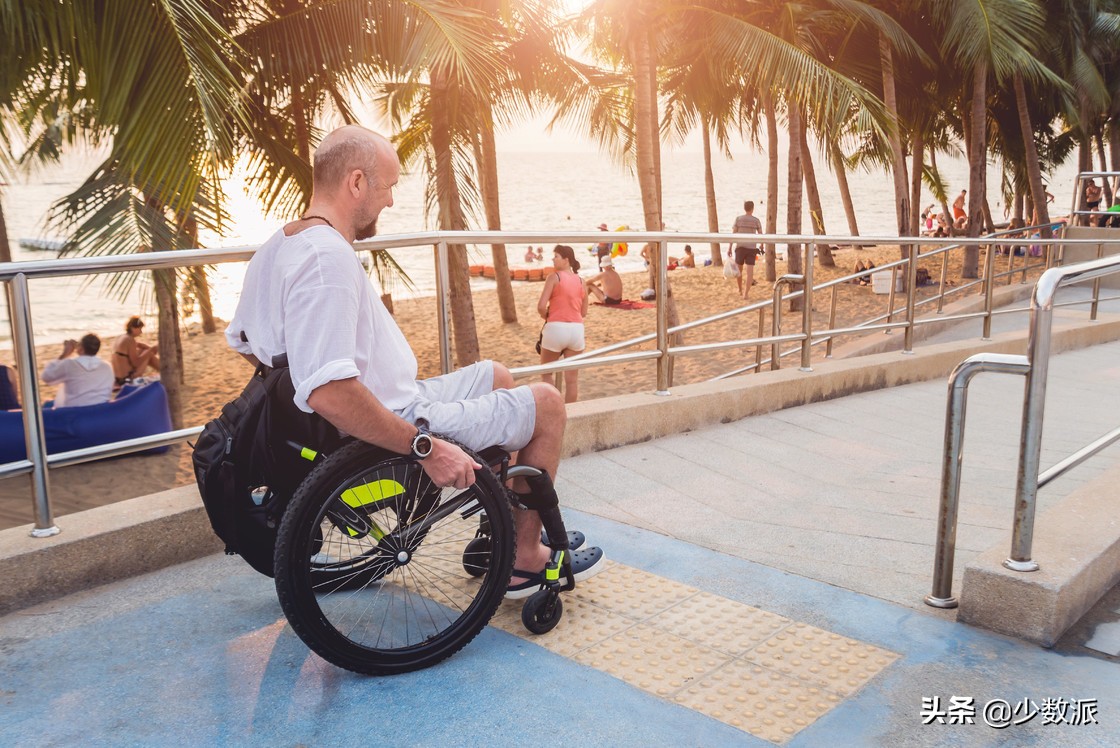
(344, 150)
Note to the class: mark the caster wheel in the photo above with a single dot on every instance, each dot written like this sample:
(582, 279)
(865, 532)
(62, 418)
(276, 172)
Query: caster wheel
(476, 556)
(542, 612)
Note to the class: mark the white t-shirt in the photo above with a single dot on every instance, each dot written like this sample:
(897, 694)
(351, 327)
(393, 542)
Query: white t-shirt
(86, 380)
(307, 295)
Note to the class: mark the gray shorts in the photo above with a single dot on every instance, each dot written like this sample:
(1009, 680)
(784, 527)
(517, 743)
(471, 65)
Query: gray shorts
(465, 406)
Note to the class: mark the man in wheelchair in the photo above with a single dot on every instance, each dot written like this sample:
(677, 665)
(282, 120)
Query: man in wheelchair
(306, 294)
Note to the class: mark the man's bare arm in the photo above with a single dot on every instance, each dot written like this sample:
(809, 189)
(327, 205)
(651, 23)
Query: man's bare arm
(349, 406)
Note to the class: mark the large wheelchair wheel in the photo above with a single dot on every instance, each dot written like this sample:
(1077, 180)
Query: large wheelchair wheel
(369, 561)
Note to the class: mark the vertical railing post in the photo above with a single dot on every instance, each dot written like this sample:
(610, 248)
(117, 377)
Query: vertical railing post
(890, 299)
(1096, 289)
(776, 323)
(944, 278)
(443, 307)
(989, 290)
(761, 332)
(807, 310)
(1030, 442)
(911, 296)
(661, 291)
(831, 324)
(33, 433)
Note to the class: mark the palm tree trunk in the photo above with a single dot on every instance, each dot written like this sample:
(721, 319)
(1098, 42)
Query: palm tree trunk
(648, 157)
(5, 247)
(793, 200)
(894, 136)
(1034, 170)
(977, 160)
(451, 219)
(200, 285)
(771, 182)
(648, 140)
(1114, 149)
(1106, 184)
(816, 212)
(710, 193)
(170, 358)
(917, 166)
(487, 158)
(842, 181)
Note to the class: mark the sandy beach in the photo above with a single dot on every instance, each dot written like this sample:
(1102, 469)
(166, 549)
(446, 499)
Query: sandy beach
(215, 374)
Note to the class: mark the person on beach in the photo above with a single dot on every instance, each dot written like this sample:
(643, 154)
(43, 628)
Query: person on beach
(1093, 193)
(606, 287)
(602, 249)
(351, 364)
(132, 357)
(85, 378)
(746, 252)
(530, 255)
(688, 261)
(959, 210)
(563, 305)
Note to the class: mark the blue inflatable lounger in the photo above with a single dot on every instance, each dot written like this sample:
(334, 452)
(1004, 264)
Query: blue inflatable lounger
(140, 411)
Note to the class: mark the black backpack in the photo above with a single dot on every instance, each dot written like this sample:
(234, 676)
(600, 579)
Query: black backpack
(250, 460)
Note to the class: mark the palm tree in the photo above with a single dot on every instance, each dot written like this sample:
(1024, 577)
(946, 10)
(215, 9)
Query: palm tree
(982, 38)
(153, 83)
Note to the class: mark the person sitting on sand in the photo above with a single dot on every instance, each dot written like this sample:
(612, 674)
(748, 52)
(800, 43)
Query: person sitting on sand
(688, 261)
(85, 379)
(607, 285)
(131, 357)
(540, 254)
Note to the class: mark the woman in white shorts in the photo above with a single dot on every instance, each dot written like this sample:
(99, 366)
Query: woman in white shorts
(563, 304)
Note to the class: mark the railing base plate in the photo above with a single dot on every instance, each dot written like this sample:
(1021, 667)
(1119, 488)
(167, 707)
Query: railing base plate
(45, 532)
(941, 602)
(1020, 565)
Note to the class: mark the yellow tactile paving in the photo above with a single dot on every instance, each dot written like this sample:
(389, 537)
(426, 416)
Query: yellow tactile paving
(760, 672)
(766, 704)
(652, 659)
(719, 623)
(835, 662)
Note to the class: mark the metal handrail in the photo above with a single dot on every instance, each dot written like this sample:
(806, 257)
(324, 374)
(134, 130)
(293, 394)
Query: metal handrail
(1034, 366)
(17, 274)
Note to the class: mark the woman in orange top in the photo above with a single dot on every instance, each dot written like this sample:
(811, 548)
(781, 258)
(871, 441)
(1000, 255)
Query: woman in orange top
(563, 304)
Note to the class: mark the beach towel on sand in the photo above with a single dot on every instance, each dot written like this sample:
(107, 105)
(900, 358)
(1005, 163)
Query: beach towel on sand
(627, 304)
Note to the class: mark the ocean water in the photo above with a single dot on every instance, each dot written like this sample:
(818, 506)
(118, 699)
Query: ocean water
(548, 190)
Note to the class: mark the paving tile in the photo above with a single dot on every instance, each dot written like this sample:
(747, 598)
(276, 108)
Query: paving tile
(832, 661)
(651, 659)
(722, 624)
(766, 704)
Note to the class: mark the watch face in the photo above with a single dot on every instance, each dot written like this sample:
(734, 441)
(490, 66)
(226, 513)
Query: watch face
(422, 445)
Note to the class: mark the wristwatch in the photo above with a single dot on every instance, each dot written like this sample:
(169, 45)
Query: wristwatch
(421, 443)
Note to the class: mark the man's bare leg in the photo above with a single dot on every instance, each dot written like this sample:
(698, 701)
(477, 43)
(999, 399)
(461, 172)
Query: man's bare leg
(747, 276)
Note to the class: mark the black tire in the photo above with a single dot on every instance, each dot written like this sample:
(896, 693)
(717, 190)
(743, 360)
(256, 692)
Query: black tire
(476, 556)
(542, 611)
(369, 561)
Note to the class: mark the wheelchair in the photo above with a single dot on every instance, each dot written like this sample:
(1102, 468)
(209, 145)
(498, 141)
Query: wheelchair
(380, 572)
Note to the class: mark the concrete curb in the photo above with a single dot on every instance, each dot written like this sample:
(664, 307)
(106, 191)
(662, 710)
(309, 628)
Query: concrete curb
(104, 544)
(147, 533)
(1077, 547)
